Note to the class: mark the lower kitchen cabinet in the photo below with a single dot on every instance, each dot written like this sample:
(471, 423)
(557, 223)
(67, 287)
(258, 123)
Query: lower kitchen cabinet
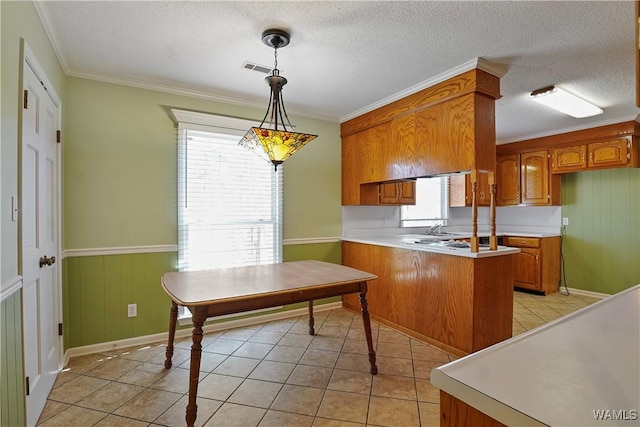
(537, 266)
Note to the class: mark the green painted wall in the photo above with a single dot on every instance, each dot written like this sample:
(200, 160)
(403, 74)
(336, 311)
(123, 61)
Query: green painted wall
(120, 168)
(12, 405)
(97, 290)
(602, 243)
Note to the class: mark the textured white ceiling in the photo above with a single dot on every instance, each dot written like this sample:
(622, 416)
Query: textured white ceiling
(346, 57)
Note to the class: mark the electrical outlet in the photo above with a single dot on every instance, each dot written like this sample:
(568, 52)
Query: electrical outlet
(132, 310)
(565, 220)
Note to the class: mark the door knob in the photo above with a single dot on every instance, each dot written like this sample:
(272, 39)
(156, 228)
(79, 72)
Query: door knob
(47, 261)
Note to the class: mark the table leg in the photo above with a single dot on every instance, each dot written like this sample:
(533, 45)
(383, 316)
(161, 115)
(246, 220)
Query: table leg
(311, 330)
(199, 316)
(173, 317)
(367, 330)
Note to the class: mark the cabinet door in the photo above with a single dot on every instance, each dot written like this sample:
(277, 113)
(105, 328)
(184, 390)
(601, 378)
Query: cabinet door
(526, 272)
(508, 180)
(460, 192)
(569, 159)
(484, 194)
(534, 178)
(608, 153)
(407, 192)
(389, 193)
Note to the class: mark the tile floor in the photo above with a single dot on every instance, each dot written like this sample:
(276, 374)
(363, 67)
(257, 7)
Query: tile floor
(273, 374)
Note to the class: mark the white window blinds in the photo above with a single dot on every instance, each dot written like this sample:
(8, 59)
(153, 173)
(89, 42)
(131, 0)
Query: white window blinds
(432, 195)
(230, 202)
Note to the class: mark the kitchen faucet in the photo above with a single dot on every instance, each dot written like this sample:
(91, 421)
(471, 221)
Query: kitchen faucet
(434, 229)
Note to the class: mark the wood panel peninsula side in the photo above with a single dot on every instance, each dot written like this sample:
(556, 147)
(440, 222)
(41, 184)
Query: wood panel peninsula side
(458, 303)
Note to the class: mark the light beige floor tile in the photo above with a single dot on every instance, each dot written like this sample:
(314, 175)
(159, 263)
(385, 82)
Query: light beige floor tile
(266, 337)
(145, 375)
(282, 353)
(420, 351)
(359, 346)
(427, 392)
(332, 330)
(396, 387)
(300, 400)
(177, 381)
(402, 351)
(326, 343)
(241, 334)
(176, 414)
(254, 350)
(296, 340)
(117, 421)
(218, 387)
(393, 337)
(113, 368)
(350, 381)
(77, 389)
(110, 397)
(344, 406)
(237, 366)
(422, 368)
(354, 362)
(143, 353)
(178, 357)
(50, 409)
(269, 370)
(74, 416)
(208, 361)
(317, 357)
(324, 422)
(255, 393)
(429, 413)
(224, 346)
(388, 412)
(285, 419)
(64, 377)
(148, 405)
(310, 376)
(81, 364)
(282, 325)
(232, 415)
(394, 366)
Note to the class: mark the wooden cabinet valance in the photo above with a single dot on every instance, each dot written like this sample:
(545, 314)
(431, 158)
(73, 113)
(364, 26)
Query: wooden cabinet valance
(605, 154)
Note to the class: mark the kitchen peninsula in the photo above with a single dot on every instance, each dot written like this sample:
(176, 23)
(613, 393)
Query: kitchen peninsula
(456, 299)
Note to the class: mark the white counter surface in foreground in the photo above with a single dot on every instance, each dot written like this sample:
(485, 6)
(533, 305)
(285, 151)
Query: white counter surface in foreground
(560, 373)
(408, 241)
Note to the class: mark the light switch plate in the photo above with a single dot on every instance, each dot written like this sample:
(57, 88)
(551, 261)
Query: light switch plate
(565, 220)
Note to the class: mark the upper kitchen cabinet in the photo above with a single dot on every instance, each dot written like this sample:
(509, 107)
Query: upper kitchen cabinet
(599, 154)
(446, 128)
(524, 179)
(460, 191)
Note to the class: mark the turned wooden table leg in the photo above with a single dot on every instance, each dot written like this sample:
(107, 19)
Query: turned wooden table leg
(199, 316)
(173, 318)
(367, 328)
(311, 330)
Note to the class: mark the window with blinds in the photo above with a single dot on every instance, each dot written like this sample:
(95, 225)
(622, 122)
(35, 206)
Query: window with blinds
(432, 195)
(229, 202)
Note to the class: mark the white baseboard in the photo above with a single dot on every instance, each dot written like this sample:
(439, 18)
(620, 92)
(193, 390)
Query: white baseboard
(586, 293)
(182, 333)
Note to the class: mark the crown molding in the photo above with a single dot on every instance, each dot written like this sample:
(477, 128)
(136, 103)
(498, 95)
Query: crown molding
(479, 63)
(49, 28)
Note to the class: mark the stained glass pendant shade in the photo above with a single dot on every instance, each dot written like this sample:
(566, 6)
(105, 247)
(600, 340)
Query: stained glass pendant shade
(275, 142)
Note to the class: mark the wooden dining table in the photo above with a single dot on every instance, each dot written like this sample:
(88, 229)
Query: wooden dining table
(232, 290)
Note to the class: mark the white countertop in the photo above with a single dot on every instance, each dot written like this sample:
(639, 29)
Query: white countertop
(560, 373)
(408, 241)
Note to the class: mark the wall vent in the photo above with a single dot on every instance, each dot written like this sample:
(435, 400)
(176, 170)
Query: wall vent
(256, 67)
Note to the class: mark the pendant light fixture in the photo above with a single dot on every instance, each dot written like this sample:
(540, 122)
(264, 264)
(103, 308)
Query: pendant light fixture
(275, 142)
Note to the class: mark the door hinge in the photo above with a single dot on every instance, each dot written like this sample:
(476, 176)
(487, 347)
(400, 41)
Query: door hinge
(58, 136)
(26, 99)
(27, 385)
(60, 329)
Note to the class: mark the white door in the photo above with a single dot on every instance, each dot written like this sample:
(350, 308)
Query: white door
(38, 241)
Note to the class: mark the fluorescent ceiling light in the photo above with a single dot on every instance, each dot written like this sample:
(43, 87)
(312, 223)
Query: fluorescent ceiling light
(565, 102)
